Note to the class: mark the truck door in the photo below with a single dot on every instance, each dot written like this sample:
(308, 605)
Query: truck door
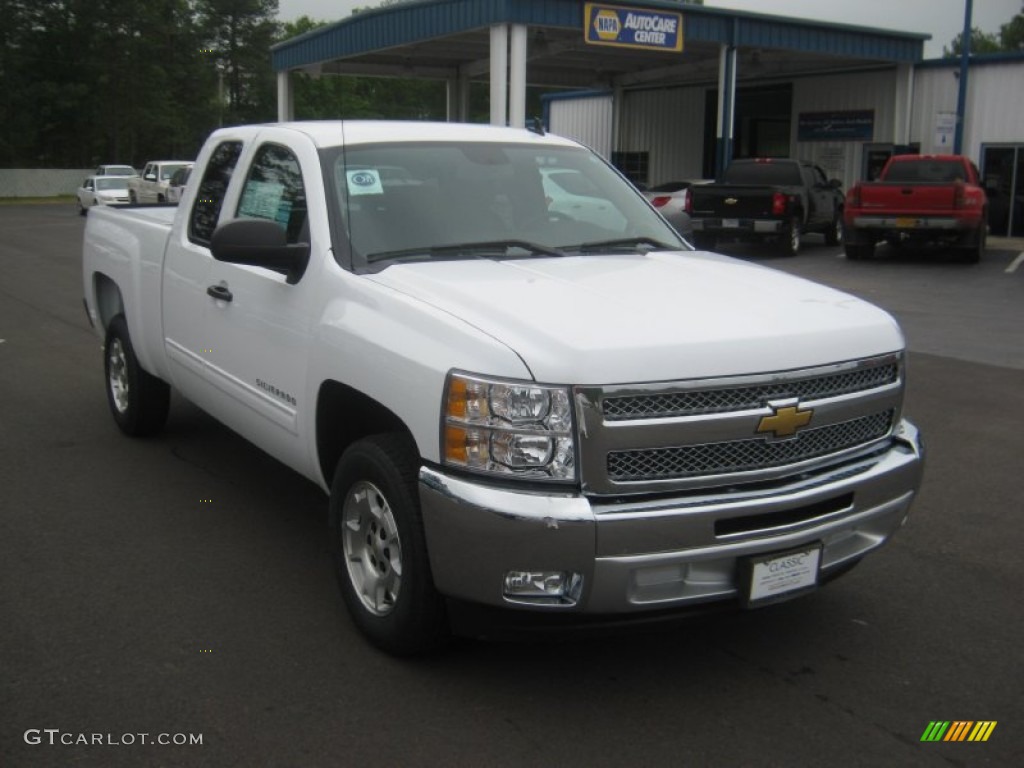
(257, 325)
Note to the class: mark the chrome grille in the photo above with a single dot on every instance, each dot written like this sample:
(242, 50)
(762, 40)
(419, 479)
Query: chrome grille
(745, 455)
(682, 403)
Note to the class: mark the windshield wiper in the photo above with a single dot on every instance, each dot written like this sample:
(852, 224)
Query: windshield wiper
(476, 250)
(620, 243)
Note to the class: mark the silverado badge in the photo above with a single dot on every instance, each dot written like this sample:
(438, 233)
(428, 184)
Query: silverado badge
(784, 421)
(731, 201)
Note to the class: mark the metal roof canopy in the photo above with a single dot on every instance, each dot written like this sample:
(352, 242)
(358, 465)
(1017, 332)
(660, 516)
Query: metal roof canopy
(441, 39)
(513, 43)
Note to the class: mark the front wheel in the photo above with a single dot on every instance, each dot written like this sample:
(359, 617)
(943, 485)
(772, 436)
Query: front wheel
(834, 233)
(138, 400)
(379, 547)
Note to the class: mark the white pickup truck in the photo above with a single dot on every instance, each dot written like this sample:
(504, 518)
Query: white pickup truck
(151, 186)
(509, 408)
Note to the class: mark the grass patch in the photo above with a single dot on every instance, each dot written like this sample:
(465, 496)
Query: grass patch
(56, 199)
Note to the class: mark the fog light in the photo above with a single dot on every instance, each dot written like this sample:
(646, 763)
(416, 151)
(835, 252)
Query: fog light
(561, 586)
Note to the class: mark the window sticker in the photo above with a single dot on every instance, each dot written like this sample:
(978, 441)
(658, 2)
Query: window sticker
(261, 200)
(365, 182)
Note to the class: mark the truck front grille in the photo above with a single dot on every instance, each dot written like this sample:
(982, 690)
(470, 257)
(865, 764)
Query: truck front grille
(701, 433)
(659, 406)
(745, 455)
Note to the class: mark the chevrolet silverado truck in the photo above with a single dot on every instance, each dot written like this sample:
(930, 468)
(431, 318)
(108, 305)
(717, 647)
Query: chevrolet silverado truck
(919, 199)
(510, 409)
(151, 186)
(767, 199)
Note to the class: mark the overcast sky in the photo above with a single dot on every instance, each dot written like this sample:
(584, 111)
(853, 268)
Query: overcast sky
(942, 19)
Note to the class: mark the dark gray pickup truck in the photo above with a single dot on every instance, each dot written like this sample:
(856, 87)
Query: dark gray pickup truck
(767, 199)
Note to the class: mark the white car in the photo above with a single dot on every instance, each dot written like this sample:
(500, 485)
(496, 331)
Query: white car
(102, 190)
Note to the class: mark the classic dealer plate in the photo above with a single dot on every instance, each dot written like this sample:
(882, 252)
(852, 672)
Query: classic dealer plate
(730, 223)
(904, 222)
(780, 575)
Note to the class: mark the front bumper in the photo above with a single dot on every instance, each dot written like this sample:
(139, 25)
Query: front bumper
(661, 553)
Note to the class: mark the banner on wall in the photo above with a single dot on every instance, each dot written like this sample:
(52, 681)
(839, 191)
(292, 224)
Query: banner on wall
(625, 27)
(851, 125)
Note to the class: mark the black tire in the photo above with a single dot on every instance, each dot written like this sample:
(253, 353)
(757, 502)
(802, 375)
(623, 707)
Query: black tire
(703, 241)
(138, 400)
(161, 199)
(834, 233)
(859, 252)
(789, 242)
(132, 196)
(375, 525)
(82, 209)
(973, 253)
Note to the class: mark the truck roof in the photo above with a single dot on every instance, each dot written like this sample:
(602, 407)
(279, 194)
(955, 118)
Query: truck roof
(333, 133)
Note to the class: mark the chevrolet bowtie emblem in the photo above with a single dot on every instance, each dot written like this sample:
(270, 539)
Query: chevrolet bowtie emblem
(731, 201)
(784, 422)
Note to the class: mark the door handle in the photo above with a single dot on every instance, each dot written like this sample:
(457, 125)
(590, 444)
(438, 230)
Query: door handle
(220, 292)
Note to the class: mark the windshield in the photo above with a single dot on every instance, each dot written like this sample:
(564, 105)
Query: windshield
(763, 172)
(166, 171)
(422, 201)
(115, 182)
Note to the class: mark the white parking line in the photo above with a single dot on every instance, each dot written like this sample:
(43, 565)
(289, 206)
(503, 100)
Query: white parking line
(1016, 263)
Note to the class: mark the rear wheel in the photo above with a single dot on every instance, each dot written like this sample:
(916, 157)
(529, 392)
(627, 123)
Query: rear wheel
(973, 253)
(379, 547)
(790, 239)
(138, 400)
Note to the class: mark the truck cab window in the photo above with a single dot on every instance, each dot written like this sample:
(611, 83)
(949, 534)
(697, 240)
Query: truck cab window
(210, 196)
(274, 191)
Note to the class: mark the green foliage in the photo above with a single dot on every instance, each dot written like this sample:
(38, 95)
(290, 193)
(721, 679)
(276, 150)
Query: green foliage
(981, 42)
(121, 81)
(1009, 39)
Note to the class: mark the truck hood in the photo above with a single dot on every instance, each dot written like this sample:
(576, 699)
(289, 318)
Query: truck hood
(617, 319)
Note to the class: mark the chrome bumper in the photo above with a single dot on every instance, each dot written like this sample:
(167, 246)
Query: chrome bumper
(666, 552)
(741, 226)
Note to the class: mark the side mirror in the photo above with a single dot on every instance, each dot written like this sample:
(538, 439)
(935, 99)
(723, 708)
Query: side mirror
(260, 243)
(150, 177)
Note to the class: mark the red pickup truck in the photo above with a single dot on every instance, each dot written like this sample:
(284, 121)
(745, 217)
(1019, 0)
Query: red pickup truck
(923, 199)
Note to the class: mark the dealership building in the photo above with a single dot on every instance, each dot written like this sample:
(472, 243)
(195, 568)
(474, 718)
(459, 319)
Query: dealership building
(670, 91)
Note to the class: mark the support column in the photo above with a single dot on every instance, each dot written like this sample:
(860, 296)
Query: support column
(499, 74)
(517, 77)
(904, 106)
(726, 108)
(285, 103)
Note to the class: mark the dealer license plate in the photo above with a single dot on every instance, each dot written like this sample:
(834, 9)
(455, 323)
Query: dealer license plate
(904, 222)
(782, 574)
(730, 223)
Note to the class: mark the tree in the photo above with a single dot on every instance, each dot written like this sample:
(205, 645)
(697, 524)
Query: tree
(239, 34)
(981, 42)
(1009, 39)
(1011, 34)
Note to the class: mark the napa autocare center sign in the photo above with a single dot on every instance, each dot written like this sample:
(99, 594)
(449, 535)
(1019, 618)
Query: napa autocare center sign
(624, 27)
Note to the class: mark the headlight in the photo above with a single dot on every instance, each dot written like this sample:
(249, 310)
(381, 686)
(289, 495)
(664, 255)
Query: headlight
(508, 428)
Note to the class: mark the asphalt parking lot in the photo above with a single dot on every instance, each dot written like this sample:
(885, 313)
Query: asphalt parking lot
(182, 586)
